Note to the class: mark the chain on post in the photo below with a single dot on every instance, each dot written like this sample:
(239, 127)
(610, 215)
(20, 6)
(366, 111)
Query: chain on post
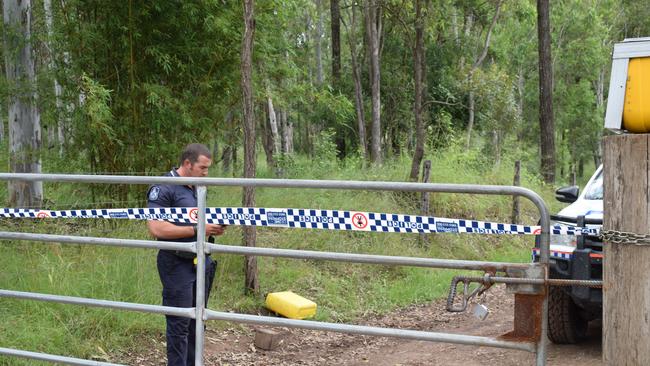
(623, 237)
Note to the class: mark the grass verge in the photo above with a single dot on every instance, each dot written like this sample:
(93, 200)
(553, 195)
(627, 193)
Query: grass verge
(343, 292)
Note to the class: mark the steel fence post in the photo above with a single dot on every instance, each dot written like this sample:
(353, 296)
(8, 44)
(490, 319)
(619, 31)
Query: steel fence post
(200, 275)
(545, 252)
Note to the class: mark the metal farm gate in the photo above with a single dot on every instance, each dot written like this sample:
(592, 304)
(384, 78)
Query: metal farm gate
(529, 281)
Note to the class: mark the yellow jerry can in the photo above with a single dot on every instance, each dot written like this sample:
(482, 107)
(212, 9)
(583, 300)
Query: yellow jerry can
(290, 305)
(636, 111)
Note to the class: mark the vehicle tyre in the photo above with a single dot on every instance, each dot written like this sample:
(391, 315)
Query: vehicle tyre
(565, 325)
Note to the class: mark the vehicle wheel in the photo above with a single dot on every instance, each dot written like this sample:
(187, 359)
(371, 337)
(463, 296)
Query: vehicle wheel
(565, 325)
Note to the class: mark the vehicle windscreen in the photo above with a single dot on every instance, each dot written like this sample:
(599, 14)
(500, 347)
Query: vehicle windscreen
(594, 191)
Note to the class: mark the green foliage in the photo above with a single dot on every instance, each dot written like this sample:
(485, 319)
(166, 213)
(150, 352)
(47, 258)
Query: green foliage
(174, 80)
(97, 116)
(325, 151)
(138, 84)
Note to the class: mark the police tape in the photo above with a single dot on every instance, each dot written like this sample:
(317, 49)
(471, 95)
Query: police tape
(303, 218)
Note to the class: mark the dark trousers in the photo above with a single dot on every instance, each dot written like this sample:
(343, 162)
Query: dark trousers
(178, 277)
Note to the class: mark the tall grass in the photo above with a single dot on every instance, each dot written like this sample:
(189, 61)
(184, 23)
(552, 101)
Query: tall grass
(343, 292)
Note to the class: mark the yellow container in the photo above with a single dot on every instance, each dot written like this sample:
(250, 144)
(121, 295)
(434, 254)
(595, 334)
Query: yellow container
(636, 111)
(290, 305)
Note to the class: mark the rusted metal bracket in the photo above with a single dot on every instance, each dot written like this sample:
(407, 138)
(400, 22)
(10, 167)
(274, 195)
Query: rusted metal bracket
(534, 272)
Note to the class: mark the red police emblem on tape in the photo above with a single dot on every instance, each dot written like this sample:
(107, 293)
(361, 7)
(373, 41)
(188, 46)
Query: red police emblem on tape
(359, 220)
(537, 231)
(42, 214)
(194, 214)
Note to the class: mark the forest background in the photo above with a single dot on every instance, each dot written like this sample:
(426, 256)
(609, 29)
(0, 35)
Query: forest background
(340, 89)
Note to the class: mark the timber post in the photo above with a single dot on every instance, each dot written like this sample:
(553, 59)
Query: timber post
(626, 286)
(516, 181)
(424, 202)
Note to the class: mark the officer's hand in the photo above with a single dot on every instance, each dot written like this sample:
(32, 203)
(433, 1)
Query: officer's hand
(214, 229)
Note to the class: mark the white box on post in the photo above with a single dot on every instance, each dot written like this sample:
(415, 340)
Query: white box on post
(628, 101)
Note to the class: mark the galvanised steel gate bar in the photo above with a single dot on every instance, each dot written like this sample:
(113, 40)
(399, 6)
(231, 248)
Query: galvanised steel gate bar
(52, 358)
(200, 313)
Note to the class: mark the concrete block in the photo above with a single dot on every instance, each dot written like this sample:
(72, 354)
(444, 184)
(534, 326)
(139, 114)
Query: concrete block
(268, 339)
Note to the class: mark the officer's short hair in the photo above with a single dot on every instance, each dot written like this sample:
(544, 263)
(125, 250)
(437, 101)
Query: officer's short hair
(192, 152)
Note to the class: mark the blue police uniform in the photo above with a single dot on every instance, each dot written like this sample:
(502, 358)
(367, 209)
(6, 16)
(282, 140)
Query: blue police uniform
(178, 275)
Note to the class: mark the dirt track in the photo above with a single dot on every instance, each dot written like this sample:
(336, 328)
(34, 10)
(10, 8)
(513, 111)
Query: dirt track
(234, 346)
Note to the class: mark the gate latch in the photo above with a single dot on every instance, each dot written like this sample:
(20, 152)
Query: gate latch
(483, 282)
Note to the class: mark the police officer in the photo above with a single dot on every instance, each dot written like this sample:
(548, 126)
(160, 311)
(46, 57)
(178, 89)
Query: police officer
(177, 269)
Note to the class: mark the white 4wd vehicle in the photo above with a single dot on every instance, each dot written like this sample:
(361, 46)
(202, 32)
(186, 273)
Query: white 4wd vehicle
(576, 257)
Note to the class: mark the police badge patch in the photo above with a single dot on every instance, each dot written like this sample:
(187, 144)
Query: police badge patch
(153, 193)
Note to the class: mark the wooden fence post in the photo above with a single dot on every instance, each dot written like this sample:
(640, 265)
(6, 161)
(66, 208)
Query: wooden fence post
(426, 172)
(626, 287)
(515, 199)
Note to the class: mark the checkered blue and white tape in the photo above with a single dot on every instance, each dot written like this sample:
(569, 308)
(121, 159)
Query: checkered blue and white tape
(304, 218)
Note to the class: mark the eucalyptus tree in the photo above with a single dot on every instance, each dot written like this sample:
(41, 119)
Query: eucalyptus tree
(476, 63)
(579, 82)
(24, 116)
(419, 63)
(2, 127)
(319, 41)
(248, 200)
(355, 66)
(547, 130)
(634, 21)
(374, 26)
(335, 16)
(58, 90)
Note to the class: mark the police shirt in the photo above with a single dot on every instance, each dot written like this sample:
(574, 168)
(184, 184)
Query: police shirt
(160, 196)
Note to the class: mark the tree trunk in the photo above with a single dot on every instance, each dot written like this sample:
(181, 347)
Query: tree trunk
(454, 25)
(469, 22)
(418, 64)
(280, 131)
(2, 127)
(308, 25)
(496, 145)
(286, 134)
(273, 124)
(373, 29)
(600, 88)
(520, 92)
(215, 149)
(470, 118)
(470, 77)
(249, 237)
(516, 181)
(319, 37)
(226, 158)
(267, 138)
(335, 12)
(358, 89)
(24, 117)
(229, 149)
(58, 90)
(547, 130)
(289, 137)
